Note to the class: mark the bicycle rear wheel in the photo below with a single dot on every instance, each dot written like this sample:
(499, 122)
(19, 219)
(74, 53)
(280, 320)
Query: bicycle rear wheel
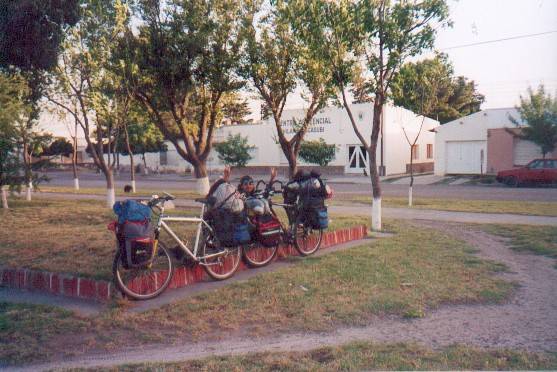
(257, 255)
(307, 240)
(222, 262)
(145, 282)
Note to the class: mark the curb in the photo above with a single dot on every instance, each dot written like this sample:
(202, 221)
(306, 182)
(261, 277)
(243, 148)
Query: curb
(102, 291)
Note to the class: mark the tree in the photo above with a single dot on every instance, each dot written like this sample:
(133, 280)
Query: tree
(13, 90)
(186, 57)
(234, 150)
(60, 146)
(381, 35)
(31, 32)
(235, 109)
(82, 81)
(317, 152)
(279, 57)
(451, 97)
(539, 111)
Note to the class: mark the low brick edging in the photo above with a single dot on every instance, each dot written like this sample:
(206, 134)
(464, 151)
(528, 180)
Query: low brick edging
(101, 290)
(56, 283)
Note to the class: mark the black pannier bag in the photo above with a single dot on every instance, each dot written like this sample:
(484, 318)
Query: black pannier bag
(136, 243)
(310, 191)
(231, 228)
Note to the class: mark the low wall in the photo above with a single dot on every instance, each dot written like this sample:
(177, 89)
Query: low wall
(102, 290)
(420, 167)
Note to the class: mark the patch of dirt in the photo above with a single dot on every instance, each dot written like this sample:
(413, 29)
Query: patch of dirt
(527, 321)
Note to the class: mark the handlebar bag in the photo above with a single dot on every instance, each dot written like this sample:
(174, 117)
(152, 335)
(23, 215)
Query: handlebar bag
(131, 210)
(268, 230)
(136, 240)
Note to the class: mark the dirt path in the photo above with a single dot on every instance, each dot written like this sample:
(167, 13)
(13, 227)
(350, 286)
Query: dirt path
(528, 321)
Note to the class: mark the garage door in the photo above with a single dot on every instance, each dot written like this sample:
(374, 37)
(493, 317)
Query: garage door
(525, 151)
(465, 157)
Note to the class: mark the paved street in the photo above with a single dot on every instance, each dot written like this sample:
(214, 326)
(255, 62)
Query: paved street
(348, 184)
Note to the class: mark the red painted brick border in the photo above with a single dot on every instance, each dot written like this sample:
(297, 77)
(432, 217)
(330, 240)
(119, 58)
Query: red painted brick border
(100, 290)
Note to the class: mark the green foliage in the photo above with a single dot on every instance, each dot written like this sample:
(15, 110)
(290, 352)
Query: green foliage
(13, 90)
(317, 152)
(31, 32)
(184, 64)
(234, 150)
(539, 111)
(60, 146)
(430, 88)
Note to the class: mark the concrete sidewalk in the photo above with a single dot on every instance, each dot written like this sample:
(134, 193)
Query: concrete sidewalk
(393, 213)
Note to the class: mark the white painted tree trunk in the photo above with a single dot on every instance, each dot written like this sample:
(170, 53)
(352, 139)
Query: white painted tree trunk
(410, 196)
(110, 197)
(76, 184)
(5, 197)
(28, 191)
(202, 186)
(376, 214)
(133, 186)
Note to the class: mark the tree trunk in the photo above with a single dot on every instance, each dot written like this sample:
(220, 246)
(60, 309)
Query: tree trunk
(110, 194)
(202, 180)
(74, 162)
(28, 172)
(376, 224)
(145, 171)
(292, 166)
(132, 165)
(411, 177)
(4, 197)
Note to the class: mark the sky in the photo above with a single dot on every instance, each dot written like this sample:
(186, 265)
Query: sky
(502, 70)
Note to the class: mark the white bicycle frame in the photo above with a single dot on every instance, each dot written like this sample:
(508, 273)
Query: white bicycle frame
(161, 223)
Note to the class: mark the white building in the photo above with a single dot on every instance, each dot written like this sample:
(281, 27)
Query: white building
(333, 125)
(483, 142)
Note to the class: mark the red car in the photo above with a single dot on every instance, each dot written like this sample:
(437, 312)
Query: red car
(536, 172)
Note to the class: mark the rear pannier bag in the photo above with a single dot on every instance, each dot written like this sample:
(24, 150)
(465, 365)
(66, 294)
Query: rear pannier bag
(136, 243)
(315, 213)
(231, 229)
(268, 230)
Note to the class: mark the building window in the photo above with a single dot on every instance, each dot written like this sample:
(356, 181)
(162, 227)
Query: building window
(430, 151)
(163, 158)
(415, 152)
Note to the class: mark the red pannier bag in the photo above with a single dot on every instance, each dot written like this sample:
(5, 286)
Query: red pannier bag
(268, 230)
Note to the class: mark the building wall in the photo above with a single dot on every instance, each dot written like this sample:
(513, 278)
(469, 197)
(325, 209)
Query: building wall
(473, 127)
(500, 146)
(333, 125)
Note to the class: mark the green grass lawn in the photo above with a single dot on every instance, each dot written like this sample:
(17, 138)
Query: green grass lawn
(406, 275)
(524, 238)
(359, 356)
(189, 194)
(458, 205)
(70, 236)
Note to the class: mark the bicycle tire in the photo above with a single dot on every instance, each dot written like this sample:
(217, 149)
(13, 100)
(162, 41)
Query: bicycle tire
(221, 267)
(138, 288)
(309, 241)
(257, 255)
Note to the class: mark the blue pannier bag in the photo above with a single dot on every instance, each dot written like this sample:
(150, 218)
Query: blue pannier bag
(241, 233)
(131, 210)
(322, 219)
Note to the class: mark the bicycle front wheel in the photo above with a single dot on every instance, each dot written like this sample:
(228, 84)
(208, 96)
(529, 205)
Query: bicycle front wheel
(219, 262)
(257, 255)
(307, 240)
(145, 282)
